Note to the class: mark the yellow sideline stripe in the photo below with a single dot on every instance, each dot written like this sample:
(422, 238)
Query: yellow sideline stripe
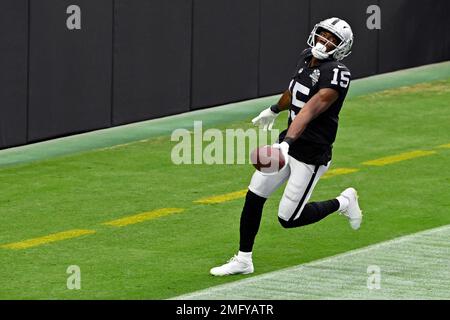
(444, 146)
(338, 172)
(398, 158)
(47, 239)
(241, 193)
(143, 217)
(223, 197)
(208, 200)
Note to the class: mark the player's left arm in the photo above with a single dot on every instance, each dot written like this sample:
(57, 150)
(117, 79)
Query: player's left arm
(319, 103)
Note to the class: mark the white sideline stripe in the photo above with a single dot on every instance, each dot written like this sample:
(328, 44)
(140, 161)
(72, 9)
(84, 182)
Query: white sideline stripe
(415, 266)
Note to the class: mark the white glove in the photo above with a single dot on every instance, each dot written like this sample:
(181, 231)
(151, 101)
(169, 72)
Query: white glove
(284, 148)
(265, 119)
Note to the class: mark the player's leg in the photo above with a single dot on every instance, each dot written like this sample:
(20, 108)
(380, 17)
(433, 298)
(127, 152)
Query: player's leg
(301, 183)
(260, 188)
(295, 211)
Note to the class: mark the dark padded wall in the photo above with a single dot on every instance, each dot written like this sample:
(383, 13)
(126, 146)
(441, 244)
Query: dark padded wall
(225, 51)
(13, 74)
(284, 29)
(363, 59)
(134, 60)
(70, 70)
(413, 33)
(152, 57)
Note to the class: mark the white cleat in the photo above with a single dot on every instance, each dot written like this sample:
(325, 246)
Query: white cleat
(352, 212)
(235, 265)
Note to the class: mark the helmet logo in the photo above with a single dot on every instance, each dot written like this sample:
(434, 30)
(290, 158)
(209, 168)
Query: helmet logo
(335, 21)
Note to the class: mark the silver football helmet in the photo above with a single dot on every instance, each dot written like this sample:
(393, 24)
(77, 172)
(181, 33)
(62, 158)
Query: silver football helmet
(340, 29)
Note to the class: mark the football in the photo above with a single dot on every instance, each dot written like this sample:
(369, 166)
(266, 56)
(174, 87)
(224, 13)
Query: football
(267, 159)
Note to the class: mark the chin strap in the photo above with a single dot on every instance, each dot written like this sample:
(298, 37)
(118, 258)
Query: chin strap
(319, 51)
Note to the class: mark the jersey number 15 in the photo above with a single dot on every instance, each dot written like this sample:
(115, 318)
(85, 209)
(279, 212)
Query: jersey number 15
(343, 75)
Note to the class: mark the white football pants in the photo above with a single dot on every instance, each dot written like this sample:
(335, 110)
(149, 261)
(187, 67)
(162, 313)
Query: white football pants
(302, 178)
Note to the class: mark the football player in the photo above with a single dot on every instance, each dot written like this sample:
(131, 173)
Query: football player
(313, 100)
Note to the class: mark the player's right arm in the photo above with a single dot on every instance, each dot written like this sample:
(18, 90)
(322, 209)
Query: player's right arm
(284, 102)
(267, 117)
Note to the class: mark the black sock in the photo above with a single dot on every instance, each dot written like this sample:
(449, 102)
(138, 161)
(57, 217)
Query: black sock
(312, 212)
(250, 220)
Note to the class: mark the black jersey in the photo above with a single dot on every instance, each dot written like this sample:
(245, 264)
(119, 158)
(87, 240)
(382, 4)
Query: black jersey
(315, 143)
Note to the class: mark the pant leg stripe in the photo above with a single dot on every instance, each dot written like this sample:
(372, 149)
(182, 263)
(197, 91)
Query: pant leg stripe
(316, 168)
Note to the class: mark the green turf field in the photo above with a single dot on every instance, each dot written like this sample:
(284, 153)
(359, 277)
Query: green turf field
(172, 255)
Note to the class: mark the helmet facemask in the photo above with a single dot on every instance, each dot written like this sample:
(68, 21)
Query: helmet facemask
(320, 47)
